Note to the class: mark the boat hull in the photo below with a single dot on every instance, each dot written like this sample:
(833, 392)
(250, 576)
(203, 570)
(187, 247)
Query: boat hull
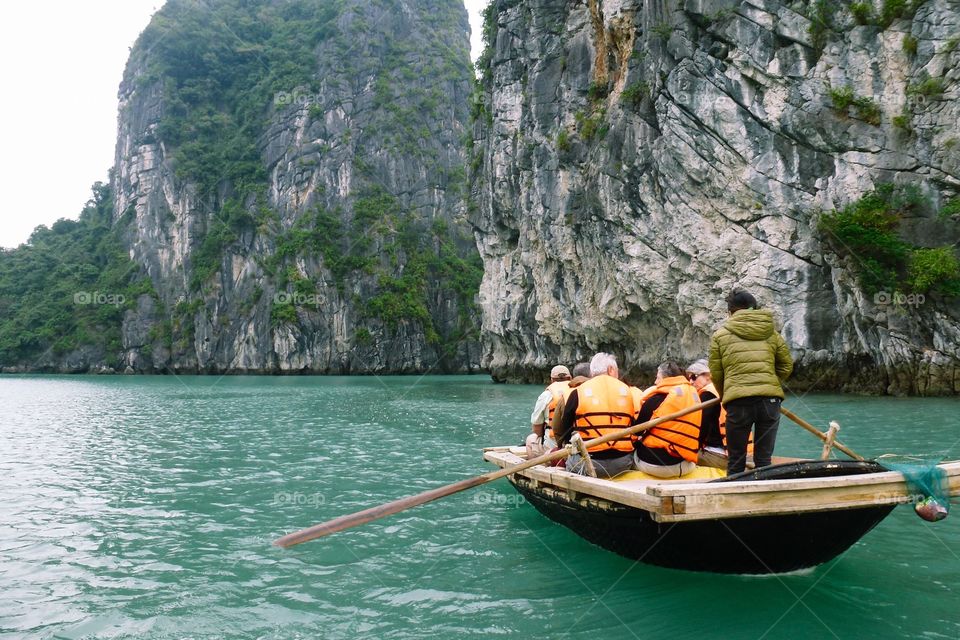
(744, 545)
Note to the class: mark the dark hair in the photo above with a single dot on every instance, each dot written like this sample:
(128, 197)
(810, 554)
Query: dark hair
(582, 369)
(669, 369)
(741, 299)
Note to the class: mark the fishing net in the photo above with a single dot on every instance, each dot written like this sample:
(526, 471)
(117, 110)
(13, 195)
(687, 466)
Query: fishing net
(925, 480)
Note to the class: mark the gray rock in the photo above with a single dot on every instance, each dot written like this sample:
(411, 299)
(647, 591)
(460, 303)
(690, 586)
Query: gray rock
(320, 148)
(629, 241)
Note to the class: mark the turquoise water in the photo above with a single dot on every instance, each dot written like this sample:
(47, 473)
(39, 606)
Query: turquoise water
(145, 507)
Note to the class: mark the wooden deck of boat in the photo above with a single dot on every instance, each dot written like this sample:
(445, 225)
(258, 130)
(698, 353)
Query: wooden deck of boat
(684, 500)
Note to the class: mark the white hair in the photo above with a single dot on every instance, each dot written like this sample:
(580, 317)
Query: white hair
(669, 369)
(600, 363)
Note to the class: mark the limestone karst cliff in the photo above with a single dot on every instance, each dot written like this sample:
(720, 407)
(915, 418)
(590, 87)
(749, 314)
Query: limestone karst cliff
(634, 160)
(290, 180)
(315, 221)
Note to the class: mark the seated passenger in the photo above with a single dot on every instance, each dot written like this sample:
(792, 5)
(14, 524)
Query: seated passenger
(597, 407)
(713, 453)
(541, 439)
(581, 373)
(670, 449)
(713, 433)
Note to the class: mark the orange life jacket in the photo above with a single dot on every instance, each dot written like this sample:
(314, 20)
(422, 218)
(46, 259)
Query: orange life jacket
(559, 389)
(604, 404)
(723, 419)
(679, 437)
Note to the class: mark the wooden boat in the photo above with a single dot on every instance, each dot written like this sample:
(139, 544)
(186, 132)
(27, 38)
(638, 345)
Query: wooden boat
(792, 515)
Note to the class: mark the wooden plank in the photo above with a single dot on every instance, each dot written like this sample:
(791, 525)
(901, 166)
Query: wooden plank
(688, 488)
(501, 456)
(772, 510)
(703, 487)
(601, 488)
(889, 488)
(598, 487)
(704, 506)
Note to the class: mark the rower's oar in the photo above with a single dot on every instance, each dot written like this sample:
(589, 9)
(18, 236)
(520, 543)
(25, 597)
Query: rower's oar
(812, 429)
(390, 508)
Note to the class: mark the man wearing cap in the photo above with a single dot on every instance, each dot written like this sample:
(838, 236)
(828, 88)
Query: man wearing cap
(749, 361)
(541, 439)
(581, 373)
(713, 452)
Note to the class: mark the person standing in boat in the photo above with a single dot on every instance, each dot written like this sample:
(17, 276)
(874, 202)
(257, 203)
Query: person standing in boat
(749, 361)
(598, 406)
(541, 437)
(670, 449)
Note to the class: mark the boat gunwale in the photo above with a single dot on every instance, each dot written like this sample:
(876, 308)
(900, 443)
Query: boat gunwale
(675, 501)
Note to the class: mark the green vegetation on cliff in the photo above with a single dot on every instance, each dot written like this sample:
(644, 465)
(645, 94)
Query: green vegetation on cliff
(866, 231)
(824, 23)
(434, 266)
(413, 263)
(221, 68)
(866, 109)
(67, 288)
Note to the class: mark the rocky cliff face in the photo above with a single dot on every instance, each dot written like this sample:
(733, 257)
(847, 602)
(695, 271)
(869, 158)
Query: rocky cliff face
(637, 160)
(291, 178)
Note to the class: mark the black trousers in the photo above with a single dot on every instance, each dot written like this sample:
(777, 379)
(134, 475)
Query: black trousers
(743, 414)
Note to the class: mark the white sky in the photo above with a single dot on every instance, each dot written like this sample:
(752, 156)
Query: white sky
(61, 62)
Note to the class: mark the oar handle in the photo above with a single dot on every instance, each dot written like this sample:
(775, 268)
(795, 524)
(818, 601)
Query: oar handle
(812, 429)
(390, 508)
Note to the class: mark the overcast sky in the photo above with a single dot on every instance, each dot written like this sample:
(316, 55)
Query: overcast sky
(61, 65)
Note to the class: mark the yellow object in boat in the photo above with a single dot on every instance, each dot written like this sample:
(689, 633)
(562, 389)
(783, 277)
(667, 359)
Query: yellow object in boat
(700, 473)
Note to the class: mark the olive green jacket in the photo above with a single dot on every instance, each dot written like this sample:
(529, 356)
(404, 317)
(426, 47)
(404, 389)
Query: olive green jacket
(748, 357)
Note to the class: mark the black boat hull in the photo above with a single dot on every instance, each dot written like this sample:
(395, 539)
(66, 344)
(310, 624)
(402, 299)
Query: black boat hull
(750, 545)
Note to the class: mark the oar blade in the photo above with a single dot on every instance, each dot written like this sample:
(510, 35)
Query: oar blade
(375, 513)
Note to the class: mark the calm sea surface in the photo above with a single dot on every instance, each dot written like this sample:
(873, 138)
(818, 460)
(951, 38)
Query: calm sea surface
(145, 506)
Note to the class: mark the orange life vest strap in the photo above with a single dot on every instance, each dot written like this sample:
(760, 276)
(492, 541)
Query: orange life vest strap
(680, 436)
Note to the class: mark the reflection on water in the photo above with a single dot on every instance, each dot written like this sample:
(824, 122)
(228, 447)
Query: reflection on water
(145, 507)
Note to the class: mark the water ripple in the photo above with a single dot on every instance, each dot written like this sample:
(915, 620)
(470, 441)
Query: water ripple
(145, 507)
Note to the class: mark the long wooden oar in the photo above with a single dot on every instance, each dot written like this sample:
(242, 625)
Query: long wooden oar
(812, 429)
(390, 508)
